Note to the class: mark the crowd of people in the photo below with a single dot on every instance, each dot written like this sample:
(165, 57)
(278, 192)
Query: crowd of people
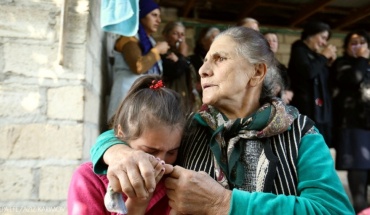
(229, 129)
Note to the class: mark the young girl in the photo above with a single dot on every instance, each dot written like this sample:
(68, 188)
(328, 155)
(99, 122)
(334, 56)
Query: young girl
(151, 118)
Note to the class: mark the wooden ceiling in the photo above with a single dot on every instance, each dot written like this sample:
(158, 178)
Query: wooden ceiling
(341, 15)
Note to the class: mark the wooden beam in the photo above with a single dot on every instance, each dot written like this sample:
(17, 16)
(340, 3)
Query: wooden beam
(353, 17)
(308, 11)
(189, 5)
(248, 8)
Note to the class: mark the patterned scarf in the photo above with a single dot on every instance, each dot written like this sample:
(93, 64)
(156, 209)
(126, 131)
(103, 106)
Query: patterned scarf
(271, 119)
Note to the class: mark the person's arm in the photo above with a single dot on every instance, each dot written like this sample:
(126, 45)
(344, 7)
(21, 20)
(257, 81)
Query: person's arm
(105, 141)
(130, 48)
(319, 187)
(128, 170)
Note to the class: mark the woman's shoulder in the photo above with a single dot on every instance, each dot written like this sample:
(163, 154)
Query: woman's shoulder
(123, 40)
(302, 125)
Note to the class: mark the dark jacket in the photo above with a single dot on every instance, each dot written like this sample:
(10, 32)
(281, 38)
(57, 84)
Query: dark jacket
(351, 99)
(351, 82)
(309, 76)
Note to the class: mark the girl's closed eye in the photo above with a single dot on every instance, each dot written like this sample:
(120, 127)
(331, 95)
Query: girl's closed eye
(173, 152)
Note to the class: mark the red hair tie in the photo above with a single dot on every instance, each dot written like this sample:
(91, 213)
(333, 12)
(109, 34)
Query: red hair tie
(156, 84)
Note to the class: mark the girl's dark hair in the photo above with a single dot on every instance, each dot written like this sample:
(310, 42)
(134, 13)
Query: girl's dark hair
(144, 108)
(313, 28)
(361, 33)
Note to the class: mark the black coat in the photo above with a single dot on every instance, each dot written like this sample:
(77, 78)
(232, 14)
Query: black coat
(351, 81)
(309, 76)
(351, 100)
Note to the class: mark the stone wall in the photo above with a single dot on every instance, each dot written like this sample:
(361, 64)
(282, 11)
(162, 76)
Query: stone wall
(49, 113)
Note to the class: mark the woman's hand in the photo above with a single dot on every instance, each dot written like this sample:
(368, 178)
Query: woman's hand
(172, 56)
(162, 47)
(363, 51)
(134, 172)
(330, 52)
(183, 47)
(191, 192)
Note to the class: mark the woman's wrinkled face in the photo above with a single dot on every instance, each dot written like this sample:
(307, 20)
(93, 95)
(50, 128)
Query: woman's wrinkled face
(225, 73)
(273, 41)
(175, 35)
(318, 41)
(151, 21)
(356, 42)
(162, 142)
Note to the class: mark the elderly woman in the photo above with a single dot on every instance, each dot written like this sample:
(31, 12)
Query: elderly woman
(244, 152)
(308, 71)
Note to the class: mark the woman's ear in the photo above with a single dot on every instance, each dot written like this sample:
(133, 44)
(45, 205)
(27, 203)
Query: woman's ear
(119, 132)
(259, 74)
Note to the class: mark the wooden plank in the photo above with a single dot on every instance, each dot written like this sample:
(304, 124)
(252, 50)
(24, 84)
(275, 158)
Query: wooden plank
(308, 11)
(353, 17)
(248, 7)
(189, 5)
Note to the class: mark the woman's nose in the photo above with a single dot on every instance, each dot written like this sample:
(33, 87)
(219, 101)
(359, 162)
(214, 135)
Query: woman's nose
(204, 70)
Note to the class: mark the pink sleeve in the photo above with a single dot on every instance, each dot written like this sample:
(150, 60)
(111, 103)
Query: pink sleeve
(86, 192)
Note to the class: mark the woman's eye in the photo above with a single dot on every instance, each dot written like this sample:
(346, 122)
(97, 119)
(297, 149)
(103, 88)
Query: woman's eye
(219, 58)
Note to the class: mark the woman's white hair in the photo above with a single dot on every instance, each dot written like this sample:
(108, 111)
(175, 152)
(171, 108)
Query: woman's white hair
(253, 46)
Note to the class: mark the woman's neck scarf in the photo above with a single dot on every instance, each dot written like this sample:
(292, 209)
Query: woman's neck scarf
(146, 45)
(271, 119)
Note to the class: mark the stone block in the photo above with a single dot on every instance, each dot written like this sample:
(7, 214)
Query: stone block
(92, 107)
(91, 132)
(284, 48)
(66, 103)
(54, 182)
(284, 59)
(25, 22)
(290, 38)
(15, 183)
(168, 14)
(41, 141)
(76, 27)
(40, 61)
(21, 101)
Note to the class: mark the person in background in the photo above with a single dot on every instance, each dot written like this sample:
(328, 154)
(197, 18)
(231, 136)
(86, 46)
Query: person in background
(202, 45)
(249, 23)
(351, 99)
(309, 74)
(150, 119)
(178, 73)
(137, 55)
(244, 152)
(283, 91)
